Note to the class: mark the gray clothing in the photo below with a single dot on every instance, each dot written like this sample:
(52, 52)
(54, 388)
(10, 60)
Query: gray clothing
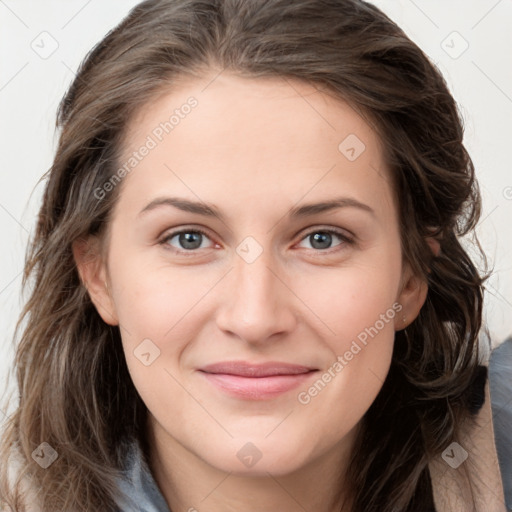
(140, 490)
(500, 377)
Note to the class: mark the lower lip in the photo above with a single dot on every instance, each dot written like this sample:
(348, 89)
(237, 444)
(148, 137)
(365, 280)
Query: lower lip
(256, 388)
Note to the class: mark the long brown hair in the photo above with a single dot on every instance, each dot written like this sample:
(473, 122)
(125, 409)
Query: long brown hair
(75, 392)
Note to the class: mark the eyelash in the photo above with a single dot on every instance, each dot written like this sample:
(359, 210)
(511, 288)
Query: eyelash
(343, 237)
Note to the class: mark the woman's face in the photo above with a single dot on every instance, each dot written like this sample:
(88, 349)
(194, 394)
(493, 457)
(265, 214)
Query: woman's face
(298, 271)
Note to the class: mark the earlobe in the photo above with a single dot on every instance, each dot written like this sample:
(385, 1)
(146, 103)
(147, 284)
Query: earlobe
(434, 245)
(412, 297)
(93, 274)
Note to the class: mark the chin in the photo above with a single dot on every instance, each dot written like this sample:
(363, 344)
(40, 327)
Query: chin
(258, 457)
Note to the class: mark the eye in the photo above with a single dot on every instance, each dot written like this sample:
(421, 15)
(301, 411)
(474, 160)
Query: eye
(187, 240)
(321, 239)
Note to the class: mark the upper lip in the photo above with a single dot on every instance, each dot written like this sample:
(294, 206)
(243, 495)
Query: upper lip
(245, 369)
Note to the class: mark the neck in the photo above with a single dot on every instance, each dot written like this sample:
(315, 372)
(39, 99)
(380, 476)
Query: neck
(189, 484)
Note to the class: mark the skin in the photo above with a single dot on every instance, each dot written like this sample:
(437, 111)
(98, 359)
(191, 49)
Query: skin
(254, 148)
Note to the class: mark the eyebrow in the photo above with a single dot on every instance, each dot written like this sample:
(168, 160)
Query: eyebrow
(297, 212)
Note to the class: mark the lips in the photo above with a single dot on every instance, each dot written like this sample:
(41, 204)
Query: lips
(256, 381)
(243, 369)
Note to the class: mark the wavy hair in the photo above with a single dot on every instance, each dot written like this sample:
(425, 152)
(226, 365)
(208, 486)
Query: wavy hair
(75, 392)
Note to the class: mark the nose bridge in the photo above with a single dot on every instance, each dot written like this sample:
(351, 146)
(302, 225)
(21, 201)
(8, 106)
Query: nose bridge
(258, 303)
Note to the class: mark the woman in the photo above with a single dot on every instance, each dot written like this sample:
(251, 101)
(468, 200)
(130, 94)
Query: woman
(249, 287)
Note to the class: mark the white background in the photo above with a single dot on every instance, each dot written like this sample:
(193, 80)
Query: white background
(480, 79)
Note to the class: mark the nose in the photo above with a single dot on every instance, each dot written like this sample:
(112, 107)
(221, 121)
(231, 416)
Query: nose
(258, 302)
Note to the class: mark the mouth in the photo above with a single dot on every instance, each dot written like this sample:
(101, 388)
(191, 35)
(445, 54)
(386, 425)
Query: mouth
(256, 381)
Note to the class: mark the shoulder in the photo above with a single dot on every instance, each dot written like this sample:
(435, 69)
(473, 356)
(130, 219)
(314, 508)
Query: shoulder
(467, 475)
(500, 377)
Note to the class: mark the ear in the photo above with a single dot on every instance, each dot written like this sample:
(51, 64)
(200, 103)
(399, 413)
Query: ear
(412, 297)
(414, 291)
(93, 274)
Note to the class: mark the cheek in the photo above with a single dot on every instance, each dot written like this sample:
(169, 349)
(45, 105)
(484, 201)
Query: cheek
(156, 315)
(362, 336)
(359, 307)
(354, 303)
(154, 301)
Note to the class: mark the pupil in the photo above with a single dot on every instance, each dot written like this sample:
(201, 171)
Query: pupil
(187, 240)
(323, 238)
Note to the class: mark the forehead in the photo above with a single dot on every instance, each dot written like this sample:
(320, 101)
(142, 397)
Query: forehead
(250, 135)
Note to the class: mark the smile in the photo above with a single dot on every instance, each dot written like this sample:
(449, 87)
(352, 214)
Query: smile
(256, 382)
